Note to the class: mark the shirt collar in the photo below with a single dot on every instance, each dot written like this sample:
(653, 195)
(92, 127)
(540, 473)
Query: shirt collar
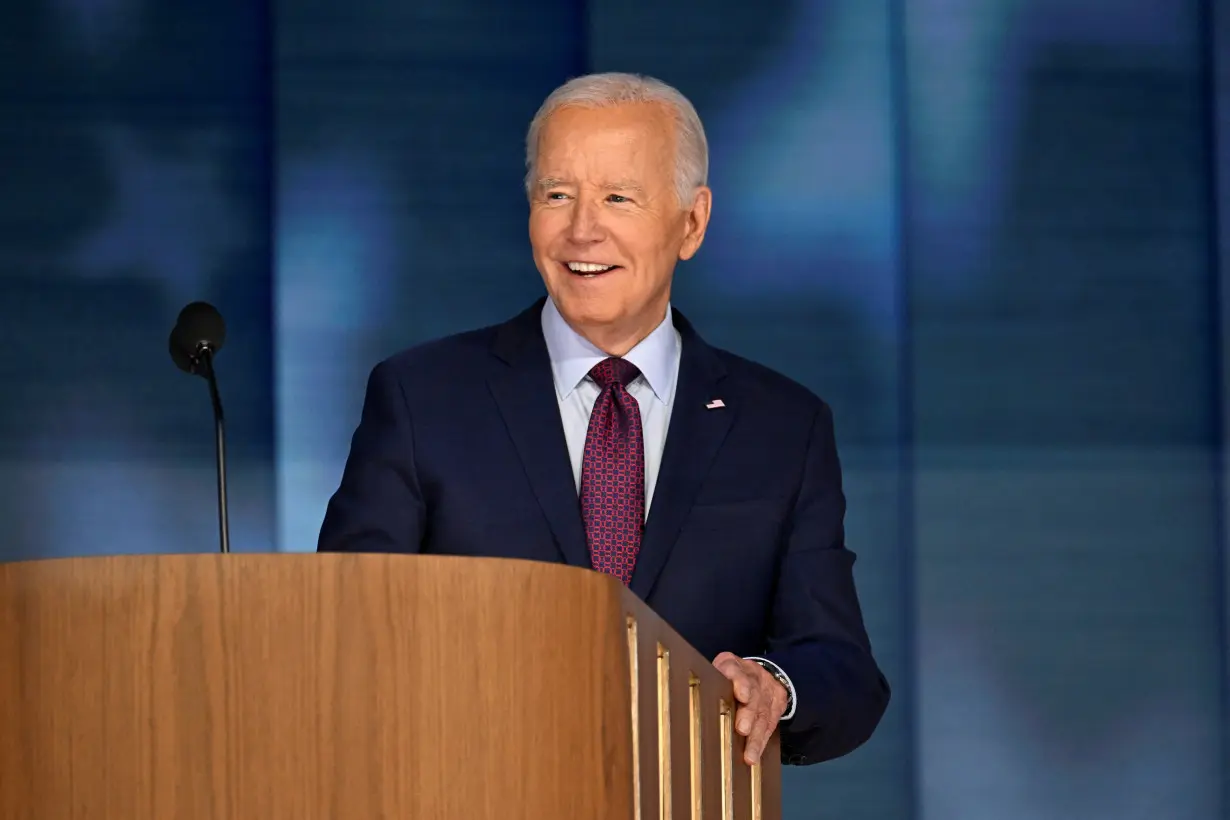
(573, 356)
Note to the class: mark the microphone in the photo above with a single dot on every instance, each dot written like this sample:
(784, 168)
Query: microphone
(195, 340)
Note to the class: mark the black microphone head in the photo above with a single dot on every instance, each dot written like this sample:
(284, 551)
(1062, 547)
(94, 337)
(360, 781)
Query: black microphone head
(199, 327)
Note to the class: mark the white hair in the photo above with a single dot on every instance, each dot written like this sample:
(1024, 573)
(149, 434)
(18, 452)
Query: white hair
(614, 88)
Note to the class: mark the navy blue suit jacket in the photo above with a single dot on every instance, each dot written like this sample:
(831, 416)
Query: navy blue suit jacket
(460, 450)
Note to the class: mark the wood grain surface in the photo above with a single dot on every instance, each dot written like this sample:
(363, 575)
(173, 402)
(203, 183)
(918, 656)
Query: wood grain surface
(345, 686)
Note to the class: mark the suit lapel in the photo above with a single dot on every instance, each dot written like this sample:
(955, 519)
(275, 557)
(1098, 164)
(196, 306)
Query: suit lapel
(693, 438)
(524, 390)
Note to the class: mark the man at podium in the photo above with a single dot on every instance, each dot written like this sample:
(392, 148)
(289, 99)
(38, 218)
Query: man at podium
(599, 429)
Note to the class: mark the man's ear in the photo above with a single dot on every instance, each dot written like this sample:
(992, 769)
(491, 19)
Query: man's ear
(697, 222)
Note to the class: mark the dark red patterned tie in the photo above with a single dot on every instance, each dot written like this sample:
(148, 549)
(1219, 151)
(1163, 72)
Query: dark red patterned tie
(613, 472)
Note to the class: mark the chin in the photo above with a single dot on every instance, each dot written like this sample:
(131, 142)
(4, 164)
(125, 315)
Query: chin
(588, 311)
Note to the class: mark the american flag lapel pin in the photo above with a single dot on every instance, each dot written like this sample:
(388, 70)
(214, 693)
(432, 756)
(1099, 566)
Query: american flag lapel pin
(715, 404)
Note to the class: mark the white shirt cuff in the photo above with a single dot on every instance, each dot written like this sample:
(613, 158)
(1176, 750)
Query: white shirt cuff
(794, 699)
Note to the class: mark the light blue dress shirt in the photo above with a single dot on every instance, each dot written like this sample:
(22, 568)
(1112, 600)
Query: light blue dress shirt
(573, 356)
(657, 357)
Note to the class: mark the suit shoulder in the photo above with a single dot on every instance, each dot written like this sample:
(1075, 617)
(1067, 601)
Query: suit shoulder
(445, 354)
(771, 385)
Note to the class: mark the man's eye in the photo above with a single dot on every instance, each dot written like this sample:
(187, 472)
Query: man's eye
(618, 198)
(556, 195)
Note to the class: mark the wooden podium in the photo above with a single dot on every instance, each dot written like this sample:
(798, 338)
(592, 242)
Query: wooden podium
(340, 686)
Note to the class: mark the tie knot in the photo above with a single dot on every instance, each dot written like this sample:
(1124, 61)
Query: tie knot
(614, 371)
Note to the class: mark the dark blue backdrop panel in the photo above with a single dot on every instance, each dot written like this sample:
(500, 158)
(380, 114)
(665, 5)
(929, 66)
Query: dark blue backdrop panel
(1065, 386)
(135, 178)
(1218, 50)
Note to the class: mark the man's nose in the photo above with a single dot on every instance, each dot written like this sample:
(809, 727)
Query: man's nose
(586, 224)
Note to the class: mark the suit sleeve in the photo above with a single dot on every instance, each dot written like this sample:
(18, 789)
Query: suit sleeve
(378, 506)
(817, 635)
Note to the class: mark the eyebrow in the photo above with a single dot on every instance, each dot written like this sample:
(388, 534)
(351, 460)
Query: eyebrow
(624, 185)
(620, 185)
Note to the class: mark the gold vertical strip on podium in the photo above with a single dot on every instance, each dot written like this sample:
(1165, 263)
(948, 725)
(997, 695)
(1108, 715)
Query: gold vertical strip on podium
(634, 668)
(694, 747)
(727, 720)
(688, 762)
(664, 732)
(757, 792)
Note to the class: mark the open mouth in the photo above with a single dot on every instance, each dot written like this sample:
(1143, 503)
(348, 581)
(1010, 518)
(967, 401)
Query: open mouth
(589, 270)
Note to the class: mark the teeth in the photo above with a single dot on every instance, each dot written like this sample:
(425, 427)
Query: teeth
(588, 267)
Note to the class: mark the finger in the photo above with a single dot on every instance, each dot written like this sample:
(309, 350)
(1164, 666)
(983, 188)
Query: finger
(753, 719)
(728, 664)
(746, 719)
(735, 670)
(758, 739)
(745, 688)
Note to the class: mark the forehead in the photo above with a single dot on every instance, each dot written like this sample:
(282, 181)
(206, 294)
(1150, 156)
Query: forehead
(609, 141)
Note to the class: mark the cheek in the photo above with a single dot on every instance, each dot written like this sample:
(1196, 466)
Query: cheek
(639, 241)
(544, 228)
(653, 252)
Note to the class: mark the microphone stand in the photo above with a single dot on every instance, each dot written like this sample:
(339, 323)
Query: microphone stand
(205, 360)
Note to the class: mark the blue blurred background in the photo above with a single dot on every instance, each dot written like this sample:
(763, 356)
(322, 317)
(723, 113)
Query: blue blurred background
(994, 234)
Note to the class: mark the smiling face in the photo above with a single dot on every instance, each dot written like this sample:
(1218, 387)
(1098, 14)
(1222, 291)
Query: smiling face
(606, 225)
